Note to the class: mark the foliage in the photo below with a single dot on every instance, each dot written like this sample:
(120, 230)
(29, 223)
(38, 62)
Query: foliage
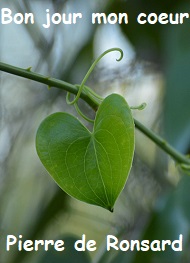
(95, 165)
(153, 203)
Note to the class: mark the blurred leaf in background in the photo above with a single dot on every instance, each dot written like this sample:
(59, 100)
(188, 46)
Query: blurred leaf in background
(70, 254)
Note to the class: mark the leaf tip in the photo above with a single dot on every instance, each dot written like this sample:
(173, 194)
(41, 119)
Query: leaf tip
(111, 209)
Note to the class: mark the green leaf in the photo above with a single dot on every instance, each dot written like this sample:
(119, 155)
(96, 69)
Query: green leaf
(92, 167)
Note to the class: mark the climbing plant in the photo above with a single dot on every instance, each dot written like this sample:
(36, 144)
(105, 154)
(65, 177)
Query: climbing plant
(91, 166)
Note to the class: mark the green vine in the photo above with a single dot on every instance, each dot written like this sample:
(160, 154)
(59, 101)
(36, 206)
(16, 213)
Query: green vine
(94, 100)
(87, 89)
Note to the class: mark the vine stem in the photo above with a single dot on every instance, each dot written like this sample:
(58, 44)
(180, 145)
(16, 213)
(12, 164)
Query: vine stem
(94, 104)
(51, 82)
(163, 144)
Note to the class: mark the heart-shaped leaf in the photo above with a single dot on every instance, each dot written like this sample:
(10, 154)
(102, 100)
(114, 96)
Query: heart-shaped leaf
(92, 167)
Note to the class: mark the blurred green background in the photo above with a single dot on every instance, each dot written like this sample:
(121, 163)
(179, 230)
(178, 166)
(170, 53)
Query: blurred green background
(155, 70)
